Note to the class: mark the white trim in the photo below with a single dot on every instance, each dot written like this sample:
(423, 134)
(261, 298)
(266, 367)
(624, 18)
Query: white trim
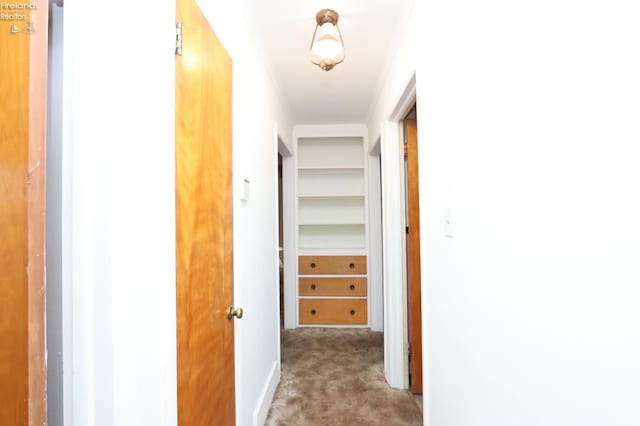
(266, 396)
(394, 295)
(375, 149)
(395, 311)
(376, 295)
(290, 267)
(283, 149)
(406, 101)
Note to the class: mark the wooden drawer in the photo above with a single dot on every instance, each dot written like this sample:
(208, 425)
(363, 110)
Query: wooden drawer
(339, 265)
(333, 311)
(342, 286)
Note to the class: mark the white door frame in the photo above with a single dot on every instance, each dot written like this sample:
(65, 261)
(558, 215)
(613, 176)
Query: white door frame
(396, 366)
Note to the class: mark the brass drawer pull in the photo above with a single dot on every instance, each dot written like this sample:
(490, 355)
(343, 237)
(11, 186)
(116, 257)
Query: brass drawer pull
(313, 312)
(313, 265)
(352, 265)
(352, 287)
(313, 286)
(352, 312)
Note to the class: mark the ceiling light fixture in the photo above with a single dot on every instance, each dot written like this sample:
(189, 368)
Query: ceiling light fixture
(327, 47)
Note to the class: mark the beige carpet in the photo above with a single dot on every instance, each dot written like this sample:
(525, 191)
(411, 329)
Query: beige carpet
(335, 377)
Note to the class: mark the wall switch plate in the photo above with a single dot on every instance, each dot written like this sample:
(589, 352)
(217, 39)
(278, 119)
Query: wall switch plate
(245, 190)
(448, 228)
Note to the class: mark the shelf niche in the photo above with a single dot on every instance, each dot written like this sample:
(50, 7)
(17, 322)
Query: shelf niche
(331, 193)
(332, 237)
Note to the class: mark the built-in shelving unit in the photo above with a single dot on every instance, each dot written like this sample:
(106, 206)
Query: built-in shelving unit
(332, 228)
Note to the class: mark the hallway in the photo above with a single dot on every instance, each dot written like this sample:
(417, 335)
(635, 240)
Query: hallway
(529, 205)
(335, 377)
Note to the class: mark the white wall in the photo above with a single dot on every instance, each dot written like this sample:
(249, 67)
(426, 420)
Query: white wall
(119, 124)
(527, 120)
(529, 131)
(396, 78)
(255, 157)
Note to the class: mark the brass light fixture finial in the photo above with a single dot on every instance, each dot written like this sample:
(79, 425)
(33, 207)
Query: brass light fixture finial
(327, 47)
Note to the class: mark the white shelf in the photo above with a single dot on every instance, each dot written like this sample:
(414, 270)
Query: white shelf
(329, 169)
(332, 197)
(331, 193)
(331, 210)
(339, 182)
(343, 236)
(329, 222)
(333, 297)
(330, 153)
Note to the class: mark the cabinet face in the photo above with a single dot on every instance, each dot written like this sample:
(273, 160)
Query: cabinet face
(336, 265)
(338, 286)
(333, 311)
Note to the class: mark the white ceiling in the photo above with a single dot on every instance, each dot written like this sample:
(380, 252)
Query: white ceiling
(370, 28)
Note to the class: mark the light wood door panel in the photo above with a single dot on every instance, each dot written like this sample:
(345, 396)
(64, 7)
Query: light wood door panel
(339, 286)
(339, 265)
(333, 311)
(204, 239)
(22, 222)
(413, 258)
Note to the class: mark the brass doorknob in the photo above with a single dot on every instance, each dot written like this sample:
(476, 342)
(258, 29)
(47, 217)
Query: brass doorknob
(238, 312)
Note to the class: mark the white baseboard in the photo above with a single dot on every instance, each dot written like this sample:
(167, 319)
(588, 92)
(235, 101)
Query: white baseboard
(266, 395)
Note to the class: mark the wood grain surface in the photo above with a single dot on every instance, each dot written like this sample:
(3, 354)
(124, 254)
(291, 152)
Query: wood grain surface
(22, 223)
(337, 286)
(339, 265)
(413, 258)
(333, 311)
(204, 238)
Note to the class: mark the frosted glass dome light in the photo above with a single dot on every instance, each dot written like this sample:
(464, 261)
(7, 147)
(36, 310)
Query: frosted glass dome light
(327, 47)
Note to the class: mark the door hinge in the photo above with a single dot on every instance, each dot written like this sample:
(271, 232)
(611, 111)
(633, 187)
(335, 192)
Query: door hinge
(409, 351)
(178, 38)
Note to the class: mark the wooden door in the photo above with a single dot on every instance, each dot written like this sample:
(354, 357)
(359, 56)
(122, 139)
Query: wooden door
(23, 71)
(413, 257)
(204, 239)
